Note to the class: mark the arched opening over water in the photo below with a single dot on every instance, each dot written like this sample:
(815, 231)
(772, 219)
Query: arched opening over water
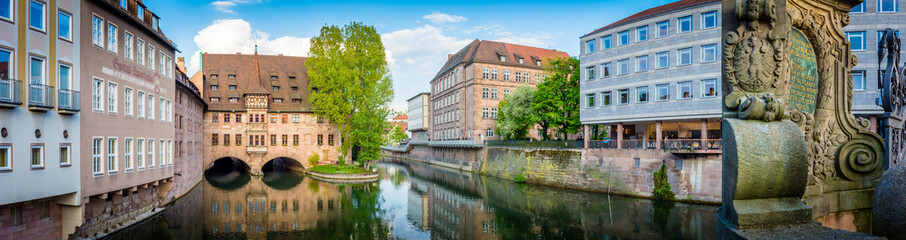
(228, 173)
(282, 164)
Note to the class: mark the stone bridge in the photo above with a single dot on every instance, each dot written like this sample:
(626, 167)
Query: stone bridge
(255, 159)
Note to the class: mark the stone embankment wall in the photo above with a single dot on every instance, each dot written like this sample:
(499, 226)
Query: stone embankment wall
(696, 178)
(623, 172)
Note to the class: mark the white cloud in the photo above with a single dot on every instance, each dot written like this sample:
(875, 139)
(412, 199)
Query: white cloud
(225, 5)
(499, 33)
(415, 56)
(441, 18)
(237, 35)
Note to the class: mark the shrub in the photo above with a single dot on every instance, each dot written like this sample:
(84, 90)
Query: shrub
(661, 185)
(313, 160)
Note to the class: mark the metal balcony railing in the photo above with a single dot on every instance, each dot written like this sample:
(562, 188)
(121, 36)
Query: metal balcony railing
(40, 95)
(69, 100)
(10, 92)
(682, 144)
(608, 144)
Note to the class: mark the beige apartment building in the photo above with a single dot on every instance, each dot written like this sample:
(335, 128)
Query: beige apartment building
(467, 89)
(127, 124)
(259, 113)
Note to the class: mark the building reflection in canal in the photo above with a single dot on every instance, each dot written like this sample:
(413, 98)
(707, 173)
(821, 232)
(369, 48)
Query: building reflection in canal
(414, 201)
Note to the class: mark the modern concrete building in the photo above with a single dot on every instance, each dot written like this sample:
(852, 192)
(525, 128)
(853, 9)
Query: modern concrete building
(418, 116)
(653, 78)
(127, 126)
(259, 111)
(188, 110)
(467, 89)
(39, 118)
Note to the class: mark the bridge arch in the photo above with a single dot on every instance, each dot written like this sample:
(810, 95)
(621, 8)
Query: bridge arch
(283, 164)
(226, 164)
(227, 173)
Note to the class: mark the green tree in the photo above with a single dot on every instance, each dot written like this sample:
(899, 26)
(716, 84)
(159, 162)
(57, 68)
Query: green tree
(516, 116)
(396, 134)
(557, 99)
(351, 86)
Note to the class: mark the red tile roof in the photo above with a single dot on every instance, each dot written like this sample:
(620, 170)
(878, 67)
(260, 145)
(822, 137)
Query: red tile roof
(401, 118)
(484, 51)
(256, 74)
(655, 11)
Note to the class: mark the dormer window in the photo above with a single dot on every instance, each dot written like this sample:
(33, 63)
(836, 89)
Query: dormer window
(213, 75)
(232, 76)
(140, 13)
(154, 23)
(538, 62)
(502, 58)
(292, 78)
(273, 77)
(520, 61)
(124, 4)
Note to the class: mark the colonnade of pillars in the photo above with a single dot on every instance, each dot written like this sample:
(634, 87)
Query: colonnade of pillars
(659, 136)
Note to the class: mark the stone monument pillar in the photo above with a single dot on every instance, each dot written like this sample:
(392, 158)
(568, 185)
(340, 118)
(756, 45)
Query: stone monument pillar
(789, 133)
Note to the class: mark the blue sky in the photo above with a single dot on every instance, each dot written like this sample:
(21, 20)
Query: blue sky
(418, 35)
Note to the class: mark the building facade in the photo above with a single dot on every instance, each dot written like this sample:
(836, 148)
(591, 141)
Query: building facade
(670, 52)
(188, 111)
(259, 111)
(467, 89)
(418, 116)
(128, 130)
(39, 118)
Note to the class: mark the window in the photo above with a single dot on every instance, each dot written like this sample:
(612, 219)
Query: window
(140, 99)
(320, 139)
(484, 93)
(605, 70)
(506, 75)
(484, 73)
(111, 97)
(709, 19)
(111, 38)
(127, 148)
(150, 106)
(490, 132)
(65, 156)
(96, 95)
(641, 63)
(5, 57)
(709, 53)
(641, 33)
(519, 77)
(273, 118)
(127, 45)
(663, 92)
(213, 87)
(493, 93)
(97, 31)
(6, 7)
(226, 139)
(493, 74)
(124, 4)
(215, 139)
(284, 118)
(684, 56)
(663, 60)
(6, 157)
(150, 153)
(96, 156)
(37, 156)
(231, 76)
(163, 157)
(485, 113)
(278, 100)
(856, 40)
(502, 58)
(64, 23)
(684, 90)
(295, 139)
(506, 92)
(605, 98)
(590, 46)
(295, 118)
(858, 80)
(238, 139)
(590, 73)
(36, 15)
(273, 140)
(215, 99)
(605, 44)
(624, 37)
(888, 6)
(127, 103)
(234, 100)
(140, 52)
(641, 94)
(139, 147)
(111, 155)
(858, 8)
(150, 57)
(36, 80)
(163, 108)
(624, 96)
(685, 24)
(623, 66)
(163, 66)
(663, 28)
(709, 88)
(330, 139)
(590, 100)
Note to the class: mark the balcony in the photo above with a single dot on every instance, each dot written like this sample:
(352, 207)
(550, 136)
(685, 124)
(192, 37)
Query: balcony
(68, 101)
(10, 93)
(256, 149)
(679, 146)
(40, 97)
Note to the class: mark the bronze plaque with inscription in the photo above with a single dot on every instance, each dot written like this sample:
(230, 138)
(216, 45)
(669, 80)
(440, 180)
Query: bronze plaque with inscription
(803, 73)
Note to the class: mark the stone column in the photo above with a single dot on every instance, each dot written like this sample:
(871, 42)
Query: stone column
(619, 135)
(874, 123)
(704, 134)
(658, 135)
(586, 135)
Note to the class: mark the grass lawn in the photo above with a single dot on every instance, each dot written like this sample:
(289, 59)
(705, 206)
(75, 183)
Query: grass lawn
(338, 169)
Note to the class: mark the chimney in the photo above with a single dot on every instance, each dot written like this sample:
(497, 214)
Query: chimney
(181, 64)
(449, 56)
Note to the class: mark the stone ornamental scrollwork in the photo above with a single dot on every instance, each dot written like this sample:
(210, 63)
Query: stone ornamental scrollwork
(841, 147)
(753, 63)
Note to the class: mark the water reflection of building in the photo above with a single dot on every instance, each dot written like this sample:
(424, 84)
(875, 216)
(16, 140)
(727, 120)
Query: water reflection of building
(446, 209)
(277, 205)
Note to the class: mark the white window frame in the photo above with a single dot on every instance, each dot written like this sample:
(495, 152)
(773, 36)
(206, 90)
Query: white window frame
(97, 151)
(861, 36)
(112, 158)
(111, 98)
(162, 147)
(127, 101)
(163, 109)
(128, 49)
(658, 90)
(61, 13)
(590, 46)
(704, 87)
(43, 27)
(639, 36)
(639, 65)
(9, 157)
(679, 24)
(896, 6)
(140, 153)
(861, 8)
(862, 74)
(140, 51)
(606, 70)
(621, 70)
(679, 56)
(590, 100)
(9, 15)
(638, 94)
(127, 154)
(163, 63)
(98, 31)
(590, 73)
(706, 15)
(606, 43)
(112, 40)
(620, 38)
(150, 107)
(714, 55)
(665, 61)
(679, 90)
(150, 159)
(150, 55)
(605, 95)
(68, 155)
(662, 25)
(620, 96)
(97, 95)
(41, 156)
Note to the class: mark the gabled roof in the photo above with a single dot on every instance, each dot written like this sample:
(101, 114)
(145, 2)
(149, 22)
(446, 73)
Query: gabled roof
(655, 11)
(289, 72)
(484, 51)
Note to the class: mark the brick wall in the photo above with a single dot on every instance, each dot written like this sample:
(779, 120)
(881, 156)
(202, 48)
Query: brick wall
(32, 226)
(102, 215)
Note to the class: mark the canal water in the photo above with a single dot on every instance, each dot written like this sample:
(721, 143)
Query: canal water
(413, 201)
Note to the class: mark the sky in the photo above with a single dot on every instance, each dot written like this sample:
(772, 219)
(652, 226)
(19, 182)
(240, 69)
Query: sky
(417, 35)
